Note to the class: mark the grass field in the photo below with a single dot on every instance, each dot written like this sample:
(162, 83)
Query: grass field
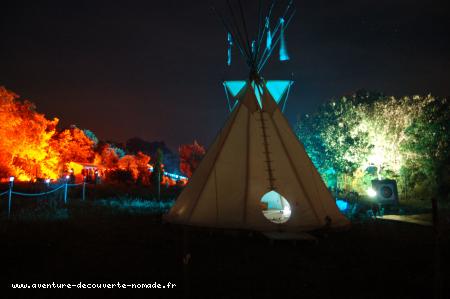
(125, 240)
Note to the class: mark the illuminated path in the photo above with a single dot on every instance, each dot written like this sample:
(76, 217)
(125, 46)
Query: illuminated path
(421, 219)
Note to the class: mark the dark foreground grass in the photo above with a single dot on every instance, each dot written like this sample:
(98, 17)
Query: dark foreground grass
(99, 242)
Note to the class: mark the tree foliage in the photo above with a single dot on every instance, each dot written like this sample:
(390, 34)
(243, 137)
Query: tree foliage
(32, 147)
(190, 157)
(427, 146)
(136, 164)
(332, 136)
(404, 137)
(26, 140)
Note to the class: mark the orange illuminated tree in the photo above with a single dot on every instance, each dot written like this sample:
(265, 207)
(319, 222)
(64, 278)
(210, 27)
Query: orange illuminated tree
(190, 157)
(26, 140)
(136, 164)
(74, 145)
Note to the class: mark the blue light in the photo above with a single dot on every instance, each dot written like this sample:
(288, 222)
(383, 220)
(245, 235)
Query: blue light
(284, 55)
(269, 40)
(277, 88)
(234, 87)
(283, 50)
(230, 44)
(269, 35)
(173, 176)
(341, 204)
(330, 171)
(257, 90)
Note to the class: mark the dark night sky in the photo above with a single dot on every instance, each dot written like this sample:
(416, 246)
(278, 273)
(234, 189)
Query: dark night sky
(153, 69)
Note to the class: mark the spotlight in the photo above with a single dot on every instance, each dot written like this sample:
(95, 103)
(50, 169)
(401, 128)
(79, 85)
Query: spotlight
(371, 192)
(341, 204)
(11, 179)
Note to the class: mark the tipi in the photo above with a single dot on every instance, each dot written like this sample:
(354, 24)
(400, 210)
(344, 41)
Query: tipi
(256, 175)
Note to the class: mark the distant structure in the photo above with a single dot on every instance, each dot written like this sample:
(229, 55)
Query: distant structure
(256, 175)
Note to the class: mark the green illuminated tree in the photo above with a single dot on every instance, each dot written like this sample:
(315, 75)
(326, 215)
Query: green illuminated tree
(401, 138)
(333, 139)
(385, 121)
(308, 131)
(427, 147)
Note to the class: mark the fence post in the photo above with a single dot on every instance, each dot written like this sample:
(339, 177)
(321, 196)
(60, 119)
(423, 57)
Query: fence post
(159, 184)
(11, 185)
(65, 193)
(84, 190)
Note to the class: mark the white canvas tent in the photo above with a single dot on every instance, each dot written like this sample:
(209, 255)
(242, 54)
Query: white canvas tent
(256, 154)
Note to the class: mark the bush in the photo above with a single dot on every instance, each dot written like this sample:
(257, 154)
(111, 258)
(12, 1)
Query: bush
(120, 176)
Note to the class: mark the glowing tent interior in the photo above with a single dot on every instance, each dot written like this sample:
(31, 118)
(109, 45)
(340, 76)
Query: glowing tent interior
(256, 175)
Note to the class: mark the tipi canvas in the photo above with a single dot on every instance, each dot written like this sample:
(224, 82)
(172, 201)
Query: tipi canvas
(256, 154)
(256, 175)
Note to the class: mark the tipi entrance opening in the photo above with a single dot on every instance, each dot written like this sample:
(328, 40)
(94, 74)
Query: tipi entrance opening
(275, 207)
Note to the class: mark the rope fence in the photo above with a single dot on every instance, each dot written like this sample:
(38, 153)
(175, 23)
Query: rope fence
(37, 194)
(63, 187)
